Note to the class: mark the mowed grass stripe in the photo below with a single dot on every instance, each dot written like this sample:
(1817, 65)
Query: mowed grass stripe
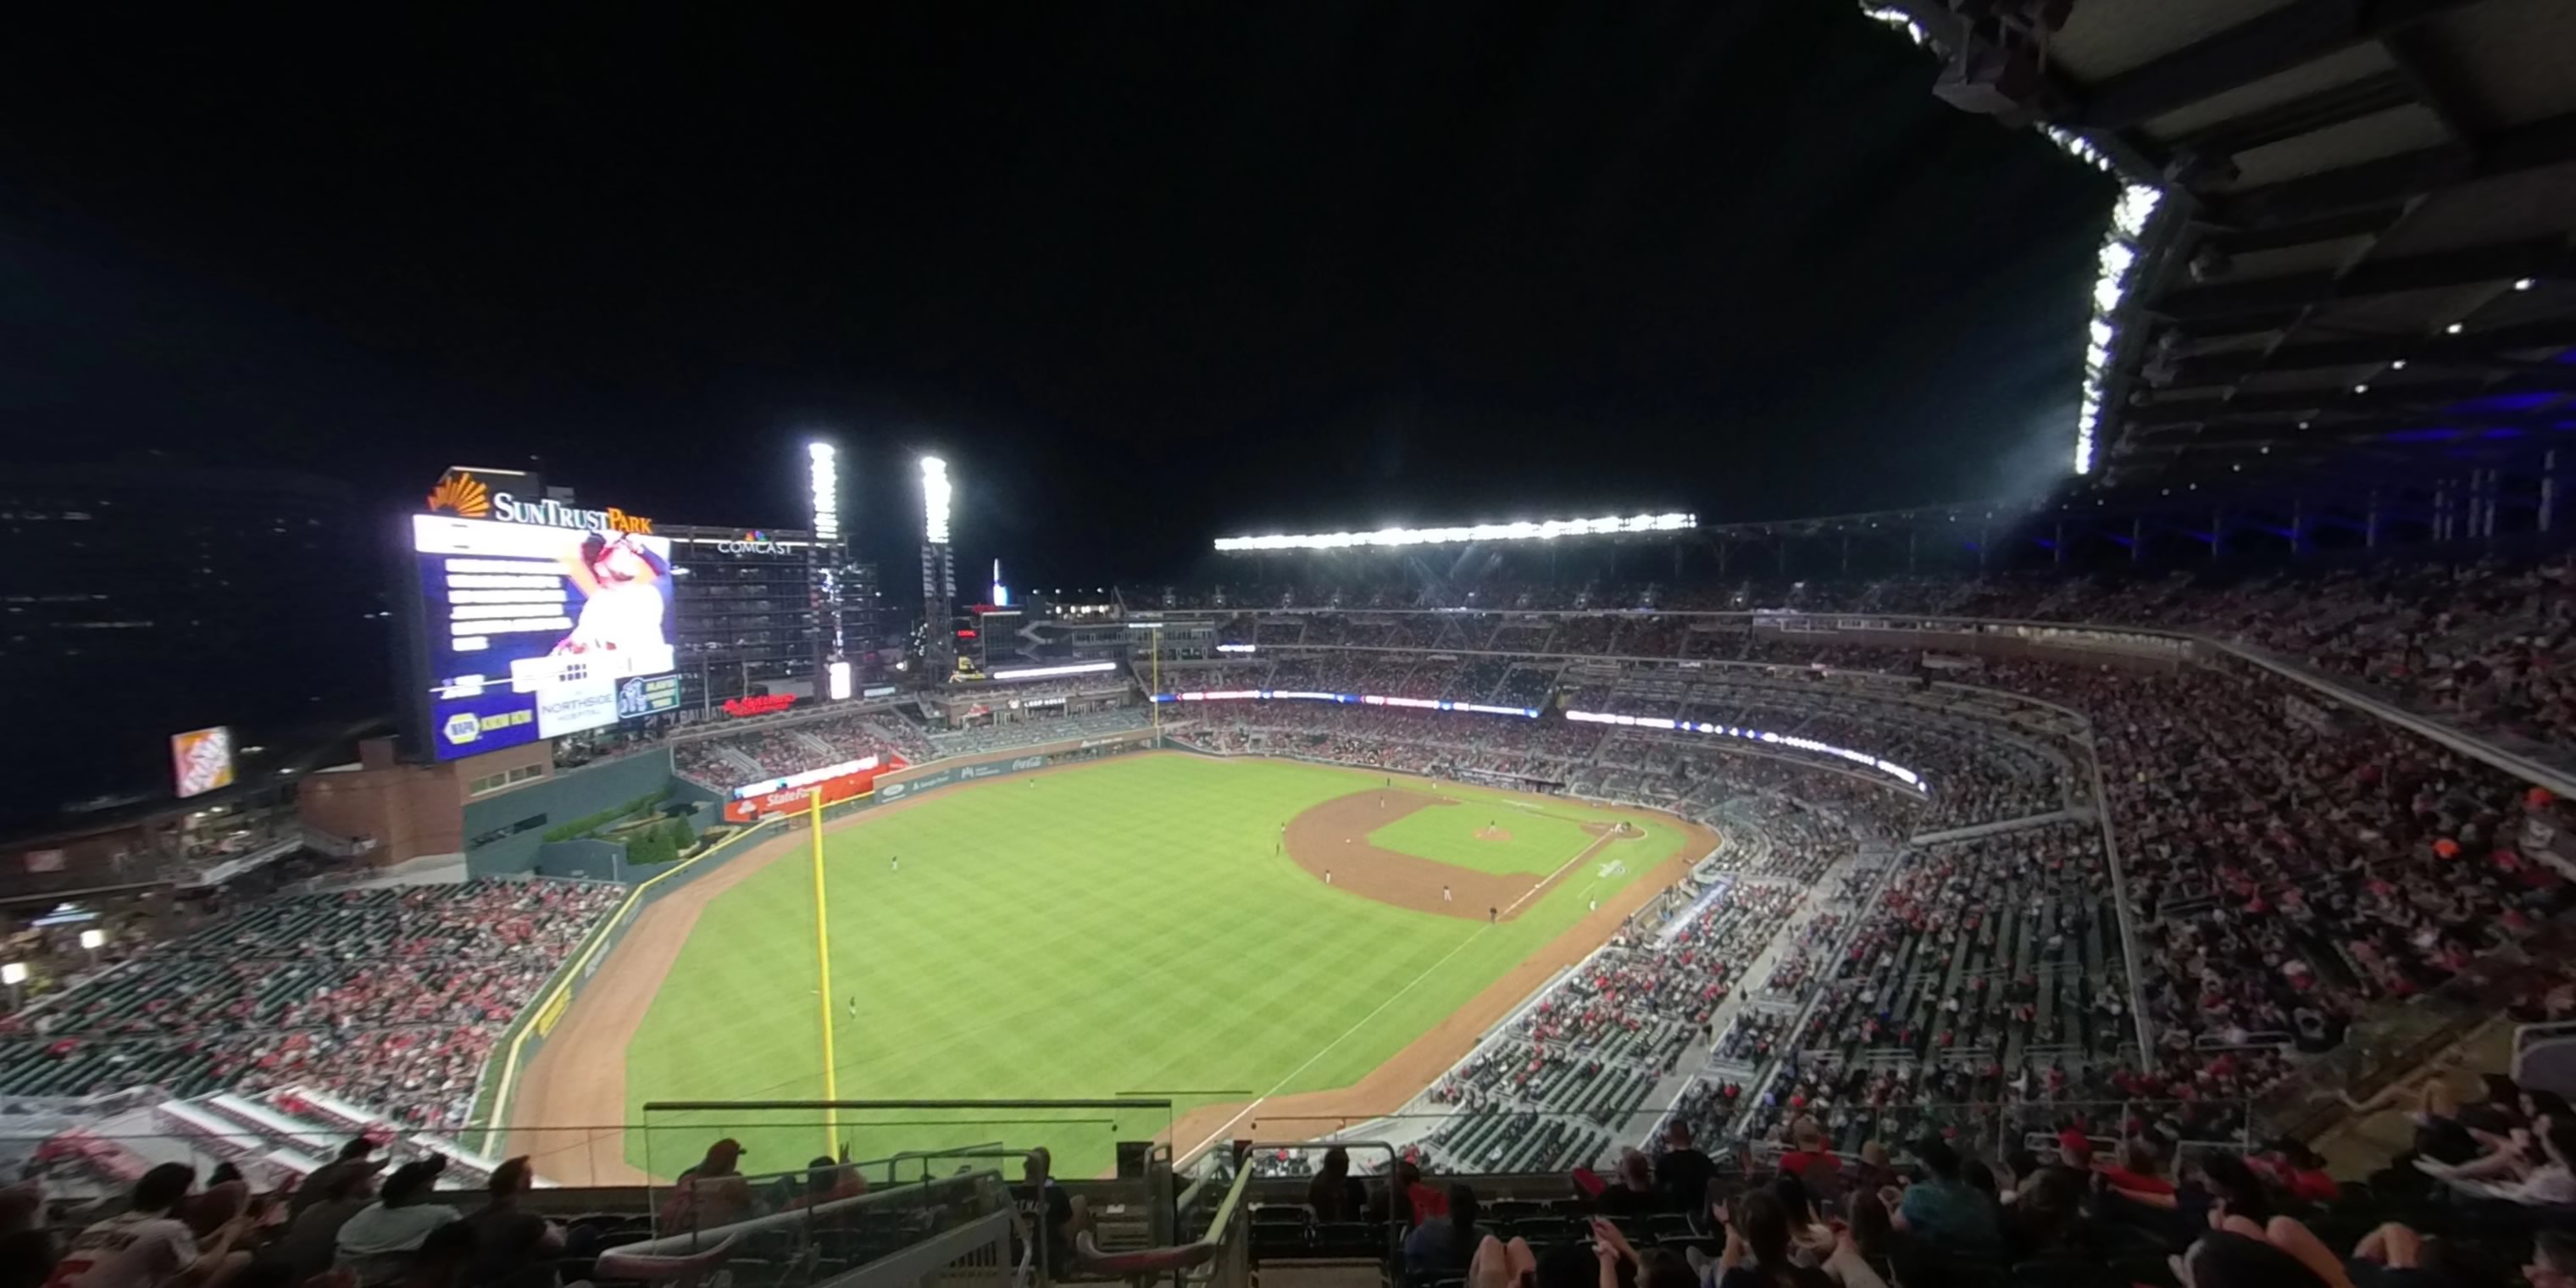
(1124, 925)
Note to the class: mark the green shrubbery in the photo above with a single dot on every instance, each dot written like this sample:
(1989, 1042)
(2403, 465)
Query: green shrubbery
(592, 823)
(660, 842)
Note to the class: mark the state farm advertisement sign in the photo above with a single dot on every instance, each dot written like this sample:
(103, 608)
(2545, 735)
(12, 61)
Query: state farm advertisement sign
(790, 800)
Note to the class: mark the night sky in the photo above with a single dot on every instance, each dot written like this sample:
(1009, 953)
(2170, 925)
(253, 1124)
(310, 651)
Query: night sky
(1144, 273)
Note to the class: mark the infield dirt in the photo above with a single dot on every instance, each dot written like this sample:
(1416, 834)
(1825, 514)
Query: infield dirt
(1333, 838)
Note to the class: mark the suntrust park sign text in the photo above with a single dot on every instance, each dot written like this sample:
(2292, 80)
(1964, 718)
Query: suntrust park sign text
(555, 514)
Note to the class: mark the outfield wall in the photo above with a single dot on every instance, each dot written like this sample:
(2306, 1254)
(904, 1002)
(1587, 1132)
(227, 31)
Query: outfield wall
(503, 830)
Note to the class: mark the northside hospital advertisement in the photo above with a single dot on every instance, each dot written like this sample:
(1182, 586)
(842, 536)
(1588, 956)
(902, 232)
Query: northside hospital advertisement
(535, 630)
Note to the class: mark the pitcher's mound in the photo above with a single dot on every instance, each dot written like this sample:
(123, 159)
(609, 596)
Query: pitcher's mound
(1493, 834)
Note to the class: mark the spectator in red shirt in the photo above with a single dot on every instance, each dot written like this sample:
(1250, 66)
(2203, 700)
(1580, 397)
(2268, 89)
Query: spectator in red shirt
(1812, 1163)
(2140, 1171)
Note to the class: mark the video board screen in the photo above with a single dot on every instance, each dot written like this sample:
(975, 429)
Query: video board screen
(536, 631)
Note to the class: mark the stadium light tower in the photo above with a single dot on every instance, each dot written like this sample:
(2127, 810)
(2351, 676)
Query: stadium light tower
(938, 572)
(825, 559)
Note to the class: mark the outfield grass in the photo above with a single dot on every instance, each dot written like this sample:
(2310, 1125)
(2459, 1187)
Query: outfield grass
(1117, 927)
(1539, 844)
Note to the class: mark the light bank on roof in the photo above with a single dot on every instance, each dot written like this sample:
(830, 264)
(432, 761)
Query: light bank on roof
(1540, 530)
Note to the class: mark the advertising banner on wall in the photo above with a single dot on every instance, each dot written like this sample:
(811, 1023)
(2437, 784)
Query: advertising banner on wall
(777, 797)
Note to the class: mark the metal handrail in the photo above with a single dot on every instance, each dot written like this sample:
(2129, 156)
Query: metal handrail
(701, 1106)
(2525, 1035)
(696, 1241)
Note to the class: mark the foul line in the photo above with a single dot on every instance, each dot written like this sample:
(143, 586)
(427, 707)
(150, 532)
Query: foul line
(1599, 843)
(1588, 851)
(1240, 1114)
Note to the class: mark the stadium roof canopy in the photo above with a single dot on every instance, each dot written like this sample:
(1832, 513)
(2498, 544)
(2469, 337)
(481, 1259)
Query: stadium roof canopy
(2361, 260)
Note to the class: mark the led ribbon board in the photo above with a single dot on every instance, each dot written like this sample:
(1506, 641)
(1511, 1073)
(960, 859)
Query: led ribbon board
(1546, 530)
(1353, 699)
(1887, 767)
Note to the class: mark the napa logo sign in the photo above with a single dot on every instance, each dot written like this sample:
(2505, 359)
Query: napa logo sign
(468, 494)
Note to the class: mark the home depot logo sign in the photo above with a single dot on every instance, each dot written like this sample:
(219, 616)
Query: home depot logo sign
(459, 492)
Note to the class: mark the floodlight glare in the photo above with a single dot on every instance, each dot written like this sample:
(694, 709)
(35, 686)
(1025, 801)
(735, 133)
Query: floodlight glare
(934, 500)
(1547, 530)
(823, 480)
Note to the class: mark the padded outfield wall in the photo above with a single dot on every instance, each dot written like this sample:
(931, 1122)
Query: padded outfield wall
(527, 1033)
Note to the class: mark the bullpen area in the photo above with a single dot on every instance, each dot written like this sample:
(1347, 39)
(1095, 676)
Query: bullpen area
(1222, 933)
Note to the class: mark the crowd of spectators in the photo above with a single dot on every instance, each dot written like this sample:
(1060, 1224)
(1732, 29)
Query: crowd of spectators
(772, 751)
(2487, 641)
(1405, 740)
(2288, 867)
(775, 750)
(2483, 1201)
(391, 998)
(1031, 729)
(1588, 1051)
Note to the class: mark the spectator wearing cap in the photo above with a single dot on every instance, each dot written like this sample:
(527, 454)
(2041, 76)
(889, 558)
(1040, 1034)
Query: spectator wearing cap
(513, 1247)
(380, 1243)
(712, 1193)
(355, 1159)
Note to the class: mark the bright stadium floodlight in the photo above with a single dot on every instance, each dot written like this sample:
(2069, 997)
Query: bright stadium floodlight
(1888, 767)
(2131, 218)
(823, 483)
(1547, 530)
(934, 500)
(2114, 267)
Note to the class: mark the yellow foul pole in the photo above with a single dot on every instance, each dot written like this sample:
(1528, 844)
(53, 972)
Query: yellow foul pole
(823, 974)
(1156, 643)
